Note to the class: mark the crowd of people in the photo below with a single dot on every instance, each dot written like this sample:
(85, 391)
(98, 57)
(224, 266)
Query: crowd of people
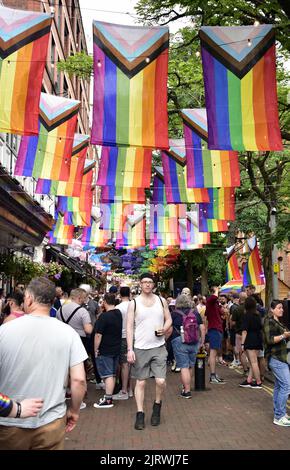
(55, 344)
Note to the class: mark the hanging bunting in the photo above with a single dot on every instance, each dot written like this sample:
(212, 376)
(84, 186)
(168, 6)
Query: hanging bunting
(130, 167)
(232, 269)
(212, 225)
(24, 39)
(221, 205)
(206, 168)
(240, 87)
(130, 85)
(48, 155)
(253, 271)
(72, 187)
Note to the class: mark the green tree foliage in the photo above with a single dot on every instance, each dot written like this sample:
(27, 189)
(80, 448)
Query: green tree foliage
(79, 64)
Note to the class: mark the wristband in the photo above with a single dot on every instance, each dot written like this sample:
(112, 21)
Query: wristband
(18, 413)
(129, 350)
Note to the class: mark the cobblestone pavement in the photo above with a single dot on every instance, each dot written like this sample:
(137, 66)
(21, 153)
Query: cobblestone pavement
(223, 417)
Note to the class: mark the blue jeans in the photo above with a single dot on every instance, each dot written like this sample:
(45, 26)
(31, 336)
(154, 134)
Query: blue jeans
(185, 354)
(281, 372)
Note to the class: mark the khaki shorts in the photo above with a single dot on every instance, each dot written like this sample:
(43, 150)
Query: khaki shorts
(150, 363)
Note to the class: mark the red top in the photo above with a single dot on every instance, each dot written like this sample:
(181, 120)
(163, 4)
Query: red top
(213, 314)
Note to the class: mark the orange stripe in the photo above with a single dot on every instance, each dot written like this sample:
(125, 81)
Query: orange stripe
(225, 168)
(148, 105)
(21, 85)
(260, 114)
(138, 168)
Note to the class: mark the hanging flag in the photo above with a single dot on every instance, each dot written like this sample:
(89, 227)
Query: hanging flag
(206, 168)
(221, 205)
(111, 216)
(163, 227)
(130, 167)
(174, 175)
(48, 155)
(133, 231)
(24, 39)
(234, 285)
(253, 271)
(190, 237)
(72, 187)
(240, 87)
(60, 234)
(130, 85)
(122, 194)
(212, 225)
(232, 269)
(92, 236)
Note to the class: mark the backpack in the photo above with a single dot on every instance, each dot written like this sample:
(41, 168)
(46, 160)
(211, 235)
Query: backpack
(190, 327)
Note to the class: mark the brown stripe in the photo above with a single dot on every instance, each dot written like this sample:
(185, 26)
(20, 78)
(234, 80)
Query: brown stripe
(176, 157)
(194, 126)
(65, 114)
(4, 45)
(80, 146)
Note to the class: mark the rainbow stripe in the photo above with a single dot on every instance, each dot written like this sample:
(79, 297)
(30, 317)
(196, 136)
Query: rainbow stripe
(232, 269)
(48, 155)
(212, 225)
(111, 216)
(130, 167)
(206, 168)
(253, 271)
(175, 177)
(61, 233)
(234, 285)
(240, 87)
(5, 403)
(190, 236)
(72, 187)
(221, 205)
(130, 86)
(24, 39)
(133, 233)
(92, 236)
(163, 229)
(122, 194)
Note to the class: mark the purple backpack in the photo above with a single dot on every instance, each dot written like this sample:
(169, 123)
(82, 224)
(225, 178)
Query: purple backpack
(190, 327)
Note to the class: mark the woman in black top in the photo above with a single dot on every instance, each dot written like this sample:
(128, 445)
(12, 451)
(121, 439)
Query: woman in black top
(252, 339)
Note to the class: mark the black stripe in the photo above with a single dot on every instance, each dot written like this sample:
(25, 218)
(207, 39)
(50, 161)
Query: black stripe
(191, 127)
(58, 123)
(6, 52)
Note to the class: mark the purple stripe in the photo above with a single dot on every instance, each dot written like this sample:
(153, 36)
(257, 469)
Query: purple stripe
(103, 170)
(209, 85)
(189, 156)
(43, 186)
(110, 106)
(26, 156)
(112, 170)
(169, 180)
(98, 107)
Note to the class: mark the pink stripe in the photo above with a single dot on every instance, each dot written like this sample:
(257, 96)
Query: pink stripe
(20, 162)
(191, 180)
(99, 88)
(166, 171)
(104, 166)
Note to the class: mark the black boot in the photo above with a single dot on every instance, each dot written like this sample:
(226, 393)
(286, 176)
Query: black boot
(139, 423)
(155, 418)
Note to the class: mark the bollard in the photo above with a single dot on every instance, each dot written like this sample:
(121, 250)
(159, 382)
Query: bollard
(199, 372)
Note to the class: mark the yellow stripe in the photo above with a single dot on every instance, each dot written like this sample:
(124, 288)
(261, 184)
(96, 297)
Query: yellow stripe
(248, 120)
(129, 172)
(135, 114)
(48, 159)
(216, 168)
(222, 203)
(6, 90)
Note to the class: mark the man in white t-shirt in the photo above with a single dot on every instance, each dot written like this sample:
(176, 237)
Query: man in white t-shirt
(123, 307)
(40, 354)
(150, 316)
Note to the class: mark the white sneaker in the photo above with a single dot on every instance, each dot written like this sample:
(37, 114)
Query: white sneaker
(284, 421)
(121, 396)
(100, 386)
(130, 394)
(83, 405)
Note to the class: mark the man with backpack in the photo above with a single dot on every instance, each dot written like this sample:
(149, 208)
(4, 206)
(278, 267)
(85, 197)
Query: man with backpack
(187, 337)
(149, 321)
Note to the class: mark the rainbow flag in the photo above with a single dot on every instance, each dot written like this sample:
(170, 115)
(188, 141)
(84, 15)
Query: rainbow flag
(111, 216)
(221, 205)
(232, 269)
(24, 39)
(130, 85)
(234, 285)
(174, 174)
(190, 236)
(133, 232)
(92, 236)
(240, 87)
(122, 194)
(253, 271)
(48, 155)
(206, 168)
(120, 166)
(77, 210)
(212, 225)
(61, 234)
(72, 187)
(163, 228)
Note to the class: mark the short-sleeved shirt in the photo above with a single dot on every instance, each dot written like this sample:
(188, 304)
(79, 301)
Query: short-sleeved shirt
(80, 318)
(237, 316)
(36, 353)
(252, 324)
(109, 325)
(213, 314)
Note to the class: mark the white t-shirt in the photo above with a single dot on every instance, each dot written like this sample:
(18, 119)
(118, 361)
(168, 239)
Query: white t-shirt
(123, 307)
(36, 354)
(147, 319)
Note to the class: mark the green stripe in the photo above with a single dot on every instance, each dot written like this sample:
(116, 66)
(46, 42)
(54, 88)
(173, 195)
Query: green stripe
(235, 111)
(122, 112)
(121, 166)
(40, 152)
(207, 167)
(216, 203)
